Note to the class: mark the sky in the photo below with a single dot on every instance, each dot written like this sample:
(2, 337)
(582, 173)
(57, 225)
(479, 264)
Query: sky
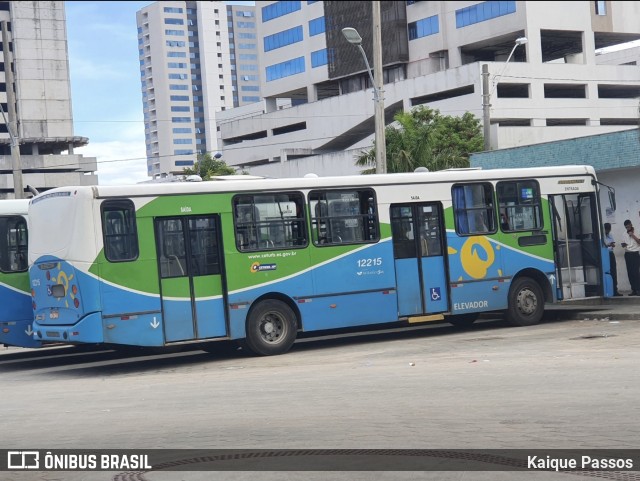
(106, 95)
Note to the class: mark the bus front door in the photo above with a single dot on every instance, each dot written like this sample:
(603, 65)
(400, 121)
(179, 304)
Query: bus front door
(418, 247)
(190, 271)
(577, 246)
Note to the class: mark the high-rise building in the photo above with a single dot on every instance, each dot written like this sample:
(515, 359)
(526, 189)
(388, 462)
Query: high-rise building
(196, 60)
(547, 78)
(37, 51)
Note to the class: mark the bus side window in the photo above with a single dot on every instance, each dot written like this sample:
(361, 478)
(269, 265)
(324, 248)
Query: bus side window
(119, 230)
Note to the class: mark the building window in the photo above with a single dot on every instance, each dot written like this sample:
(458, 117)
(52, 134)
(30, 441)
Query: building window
(177, 108)
(278, 9)
(180, 98)
(285, 69)
(183, 163)
(182, 130)
(173, 21)
(319, 58)
(178, 87)
(483, 11)
(177, 54)
(247, 46)
(250, 99)
(177, 33)
(176, 65)
(183, 141)
(280, 39)
(316, 26)
(246, 24)
(246, 35)
(473, 209)
(181, 120)
(423, 28)
(601, 8)
(250, 88)
(172, 10)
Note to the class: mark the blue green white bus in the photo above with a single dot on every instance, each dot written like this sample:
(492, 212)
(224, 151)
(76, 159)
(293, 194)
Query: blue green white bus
(16, 312)
(260, 261)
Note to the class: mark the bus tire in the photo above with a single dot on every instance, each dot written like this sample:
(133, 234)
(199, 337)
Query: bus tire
(271, 328)
(526, 302)
(463, 320)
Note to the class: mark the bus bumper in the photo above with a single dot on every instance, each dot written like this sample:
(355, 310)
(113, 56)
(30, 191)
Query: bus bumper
(86, 330)
(18, 333)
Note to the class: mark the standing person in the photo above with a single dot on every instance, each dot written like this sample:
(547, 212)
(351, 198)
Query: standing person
(610, 243)
(631, 246)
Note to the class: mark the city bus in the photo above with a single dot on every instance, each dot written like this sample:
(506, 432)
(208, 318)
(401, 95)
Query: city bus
(263, 260)
(16, 311)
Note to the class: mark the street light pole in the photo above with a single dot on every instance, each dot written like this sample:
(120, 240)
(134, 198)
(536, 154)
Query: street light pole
(353, 37)
(486, 94)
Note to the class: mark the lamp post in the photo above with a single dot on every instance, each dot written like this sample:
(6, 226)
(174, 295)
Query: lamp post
(353, 37)
(486, 94)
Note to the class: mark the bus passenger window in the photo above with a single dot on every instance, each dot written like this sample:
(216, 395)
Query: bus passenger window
(13, 244)
(119, 230)
(473, 208)
(270, 221)
(520, 205)
(343, 217)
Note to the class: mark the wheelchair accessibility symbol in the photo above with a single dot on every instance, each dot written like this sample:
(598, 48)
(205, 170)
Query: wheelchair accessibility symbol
(435, 293)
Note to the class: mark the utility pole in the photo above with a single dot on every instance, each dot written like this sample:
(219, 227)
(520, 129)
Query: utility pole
(381, 147)
(486, 106)
(12, 123)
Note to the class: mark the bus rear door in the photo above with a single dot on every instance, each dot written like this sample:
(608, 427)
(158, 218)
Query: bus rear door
(418, 247)
(191, 283)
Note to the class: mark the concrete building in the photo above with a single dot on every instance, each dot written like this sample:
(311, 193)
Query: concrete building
(554, 86)
(37, 49)
(196, 60)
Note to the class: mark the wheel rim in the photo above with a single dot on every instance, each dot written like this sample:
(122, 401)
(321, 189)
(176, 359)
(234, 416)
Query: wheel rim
(527, 302)
(273, 328)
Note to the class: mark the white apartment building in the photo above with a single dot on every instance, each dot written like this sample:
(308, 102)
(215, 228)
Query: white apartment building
(190, 56)
(37, 49)
(555, 84)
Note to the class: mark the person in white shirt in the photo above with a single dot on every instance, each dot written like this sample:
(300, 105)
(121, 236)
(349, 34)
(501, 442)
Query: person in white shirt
(610, 243)
(631, 246)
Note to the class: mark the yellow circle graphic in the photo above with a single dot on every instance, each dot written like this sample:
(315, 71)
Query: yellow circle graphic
(474, 262)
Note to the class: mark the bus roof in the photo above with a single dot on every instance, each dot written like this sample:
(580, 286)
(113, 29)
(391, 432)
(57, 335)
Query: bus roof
(252, 184)
(14, 206)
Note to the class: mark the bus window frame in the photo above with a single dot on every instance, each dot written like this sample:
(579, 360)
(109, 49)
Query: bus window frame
(295, 196)
(370, 195)
(122, 205)
(491, 208)
(536, 203)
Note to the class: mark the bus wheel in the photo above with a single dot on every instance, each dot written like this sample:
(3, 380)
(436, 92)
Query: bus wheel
(463, 320)
(271, 328)
(526, 302)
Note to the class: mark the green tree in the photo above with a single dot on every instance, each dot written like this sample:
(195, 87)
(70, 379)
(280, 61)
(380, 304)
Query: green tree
(208, 166)
(425, 138)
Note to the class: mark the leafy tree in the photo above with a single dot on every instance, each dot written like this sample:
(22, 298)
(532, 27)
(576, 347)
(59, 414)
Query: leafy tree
(208, 166)
(425, 138)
